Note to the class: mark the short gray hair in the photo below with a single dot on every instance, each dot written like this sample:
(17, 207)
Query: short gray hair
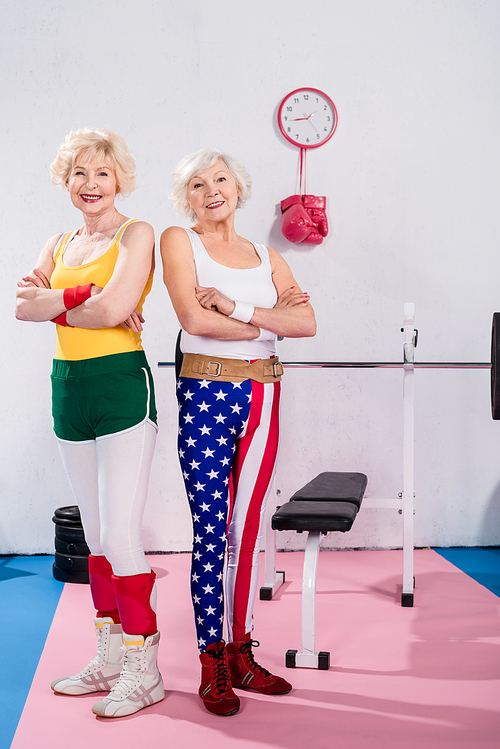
(199, 162)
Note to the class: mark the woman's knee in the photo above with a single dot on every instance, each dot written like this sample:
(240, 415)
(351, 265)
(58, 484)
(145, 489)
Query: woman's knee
(125, 559)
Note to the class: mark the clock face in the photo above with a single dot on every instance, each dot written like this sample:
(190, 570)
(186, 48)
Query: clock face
(307, 118)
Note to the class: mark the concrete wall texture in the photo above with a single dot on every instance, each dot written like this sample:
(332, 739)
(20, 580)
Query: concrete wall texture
(411, 179)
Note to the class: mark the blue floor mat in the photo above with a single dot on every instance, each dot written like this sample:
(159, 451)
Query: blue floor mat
(482, 564)
(29, 596)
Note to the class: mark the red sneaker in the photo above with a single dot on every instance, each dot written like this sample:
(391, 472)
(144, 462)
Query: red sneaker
(215, 690)
(247, 674)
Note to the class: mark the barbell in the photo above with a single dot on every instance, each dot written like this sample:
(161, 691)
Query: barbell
(494, 365)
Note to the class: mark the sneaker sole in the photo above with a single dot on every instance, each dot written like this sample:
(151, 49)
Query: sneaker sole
(120, 714)
(253, 689)
(79, 693)
(222, 715)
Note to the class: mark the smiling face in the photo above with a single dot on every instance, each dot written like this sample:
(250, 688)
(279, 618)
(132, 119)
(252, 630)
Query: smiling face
(213, 195)
(92, 186)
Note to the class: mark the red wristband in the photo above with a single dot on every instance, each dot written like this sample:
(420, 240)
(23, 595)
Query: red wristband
(75, 296)
(61, 320)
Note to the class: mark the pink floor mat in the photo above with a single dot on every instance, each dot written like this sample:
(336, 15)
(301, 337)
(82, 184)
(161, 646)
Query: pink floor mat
(400, 678)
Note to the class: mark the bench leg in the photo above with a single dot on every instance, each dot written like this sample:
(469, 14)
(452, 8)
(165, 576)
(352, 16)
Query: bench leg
(273, 579)
(307, 657)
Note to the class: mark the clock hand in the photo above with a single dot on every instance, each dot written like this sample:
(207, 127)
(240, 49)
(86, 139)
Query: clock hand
(309, 119)
(305, 117)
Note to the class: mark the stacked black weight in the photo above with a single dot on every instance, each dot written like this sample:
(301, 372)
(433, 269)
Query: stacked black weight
(72, 553)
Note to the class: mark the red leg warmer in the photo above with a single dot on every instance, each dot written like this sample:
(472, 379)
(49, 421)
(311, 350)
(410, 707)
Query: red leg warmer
(101, 587)
(133, 597)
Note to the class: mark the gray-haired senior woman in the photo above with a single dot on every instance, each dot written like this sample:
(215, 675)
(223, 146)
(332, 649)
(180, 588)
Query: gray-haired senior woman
(232, 298)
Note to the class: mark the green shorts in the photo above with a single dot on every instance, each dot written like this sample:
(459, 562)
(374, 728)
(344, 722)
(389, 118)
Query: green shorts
(94, 398)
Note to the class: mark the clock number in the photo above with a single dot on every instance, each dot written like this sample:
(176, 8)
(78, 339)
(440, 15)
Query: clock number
(289, 109)
(285, 118)
(295, 101)
(325, 129)
(325, 107)
(306, 97)
(289, 129)
(317, 137)
(328, 119)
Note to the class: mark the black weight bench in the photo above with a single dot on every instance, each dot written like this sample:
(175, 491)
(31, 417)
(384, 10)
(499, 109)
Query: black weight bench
(328, 503)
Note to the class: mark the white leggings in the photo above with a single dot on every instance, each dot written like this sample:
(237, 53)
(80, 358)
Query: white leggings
(109, 478)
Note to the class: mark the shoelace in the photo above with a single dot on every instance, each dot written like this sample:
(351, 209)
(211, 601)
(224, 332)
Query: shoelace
(134, 662)
(246, 651)
(100, 646)
(222, 682)
(99, 658)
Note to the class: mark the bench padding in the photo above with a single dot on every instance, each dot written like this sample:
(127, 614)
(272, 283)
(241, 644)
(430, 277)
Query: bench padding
(315, 516)
(334, 486)
(330, 502)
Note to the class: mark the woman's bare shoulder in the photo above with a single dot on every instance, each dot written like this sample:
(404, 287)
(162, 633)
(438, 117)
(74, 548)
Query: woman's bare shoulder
(47, 254)
(139, 230)
(174, 232)
(276, 258)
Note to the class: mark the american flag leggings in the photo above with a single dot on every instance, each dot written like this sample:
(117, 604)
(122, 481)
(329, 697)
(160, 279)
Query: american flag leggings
(228, 444)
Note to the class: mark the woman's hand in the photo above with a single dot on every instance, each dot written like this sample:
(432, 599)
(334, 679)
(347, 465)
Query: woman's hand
(133, 322)
(290, 298)
(213, 299)
(35, 278)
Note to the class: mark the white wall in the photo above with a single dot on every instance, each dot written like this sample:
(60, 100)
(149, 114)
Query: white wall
(412, 183)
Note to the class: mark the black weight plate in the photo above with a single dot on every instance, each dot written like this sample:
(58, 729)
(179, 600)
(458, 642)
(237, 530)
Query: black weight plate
(66, 522)
(70, 576)
(69, 533)
(75, 562)
(495, 366)
(71, 547)
(68, 513)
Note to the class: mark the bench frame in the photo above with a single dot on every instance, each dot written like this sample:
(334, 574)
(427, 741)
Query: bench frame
(308, 657)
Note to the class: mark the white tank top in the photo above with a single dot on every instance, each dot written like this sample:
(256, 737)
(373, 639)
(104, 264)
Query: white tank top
(252, 285)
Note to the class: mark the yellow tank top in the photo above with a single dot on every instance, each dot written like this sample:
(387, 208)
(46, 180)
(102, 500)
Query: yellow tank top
(81, 343)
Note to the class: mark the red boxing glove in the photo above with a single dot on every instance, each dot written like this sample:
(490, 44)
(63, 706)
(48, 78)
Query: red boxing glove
(76, 295)
(315, 207)
(73, 297)
(296, 224)
(313, 238)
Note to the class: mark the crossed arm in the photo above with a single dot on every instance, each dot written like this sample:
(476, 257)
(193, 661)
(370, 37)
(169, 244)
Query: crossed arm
(107, 307)
(205, 311)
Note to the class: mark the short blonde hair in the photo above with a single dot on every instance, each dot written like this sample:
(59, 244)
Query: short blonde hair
(199, 162)
(94, 145)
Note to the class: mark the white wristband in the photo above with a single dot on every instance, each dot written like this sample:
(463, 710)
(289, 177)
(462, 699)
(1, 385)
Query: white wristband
(242, 311)
(265, 335)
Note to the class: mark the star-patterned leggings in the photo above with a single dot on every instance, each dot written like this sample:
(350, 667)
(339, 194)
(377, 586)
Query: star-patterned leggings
(228, 445)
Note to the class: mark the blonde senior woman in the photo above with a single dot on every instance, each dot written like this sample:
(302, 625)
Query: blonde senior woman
(92, 282)
(232, 298)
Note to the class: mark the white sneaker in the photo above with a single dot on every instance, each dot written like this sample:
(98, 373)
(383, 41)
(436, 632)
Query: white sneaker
(140, 684)
(103, 672)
